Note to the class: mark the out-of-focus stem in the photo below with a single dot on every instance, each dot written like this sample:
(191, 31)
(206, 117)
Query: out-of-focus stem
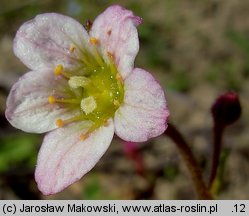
(190, 161)
(131, 151)
(217, 144)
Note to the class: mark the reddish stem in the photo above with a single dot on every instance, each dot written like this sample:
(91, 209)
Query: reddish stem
(131, 150)
(190, 161)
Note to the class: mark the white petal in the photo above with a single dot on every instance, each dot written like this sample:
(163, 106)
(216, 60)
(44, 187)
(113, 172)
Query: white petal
(27, 106)
(64, 158)
(116, 31)
(45, 41)
(144, 112)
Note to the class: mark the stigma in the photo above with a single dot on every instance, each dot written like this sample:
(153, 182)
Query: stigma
(94, 90)
(88, 105)
(78, 81)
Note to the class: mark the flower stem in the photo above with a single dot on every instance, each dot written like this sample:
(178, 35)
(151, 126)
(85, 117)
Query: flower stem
(190, 161)
(217, 144)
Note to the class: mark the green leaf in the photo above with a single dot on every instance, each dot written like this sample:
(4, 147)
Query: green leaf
(16, 149)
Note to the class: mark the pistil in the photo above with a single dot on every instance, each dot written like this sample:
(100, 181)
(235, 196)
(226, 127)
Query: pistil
(88, 104)
(95, 88)
(78, 81)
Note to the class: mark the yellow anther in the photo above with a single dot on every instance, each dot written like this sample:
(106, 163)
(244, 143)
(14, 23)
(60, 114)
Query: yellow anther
(72, 48)
(58, 70)
(59, 123)
(51, 99)
(116, 103)
(119, 77)
(93, 41)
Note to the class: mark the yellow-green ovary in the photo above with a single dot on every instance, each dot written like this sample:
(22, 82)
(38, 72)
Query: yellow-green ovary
(100, 93)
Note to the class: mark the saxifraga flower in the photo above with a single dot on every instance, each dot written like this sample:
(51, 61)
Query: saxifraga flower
(82, 87)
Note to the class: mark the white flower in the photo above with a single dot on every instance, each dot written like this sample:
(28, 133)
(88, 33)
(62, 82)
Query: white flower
(82, 87)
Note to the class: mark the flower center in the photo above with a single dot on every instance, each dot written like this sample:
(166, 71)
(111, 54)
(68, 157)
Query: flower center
(96, 88)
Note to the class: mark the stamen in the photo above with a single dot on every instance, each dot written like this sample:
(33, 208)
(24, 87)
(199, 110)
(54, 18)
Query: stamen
(71, 120)
(85, 136)
(88, 104)
(85, 59)
(88, 133)
(78, 81)
(72, 48)
(62, 123)
(115, 72)
(59, 70)
(92, 129)
(52, 100)
(106, 123)
(110, 55)
(93, 41)
(119, 77)
(59, 123)
(112, 63)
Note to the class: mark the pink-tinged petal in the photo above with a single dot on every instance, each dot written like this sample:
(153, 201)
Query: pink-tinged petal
(64, 158)
(27, 106)
(144, 112)
(45, 41)
(116, 31)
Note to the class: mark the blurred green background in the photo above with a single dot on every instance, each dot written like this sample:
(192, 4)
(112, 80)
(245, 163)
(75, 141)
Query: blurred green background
(196, 49)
